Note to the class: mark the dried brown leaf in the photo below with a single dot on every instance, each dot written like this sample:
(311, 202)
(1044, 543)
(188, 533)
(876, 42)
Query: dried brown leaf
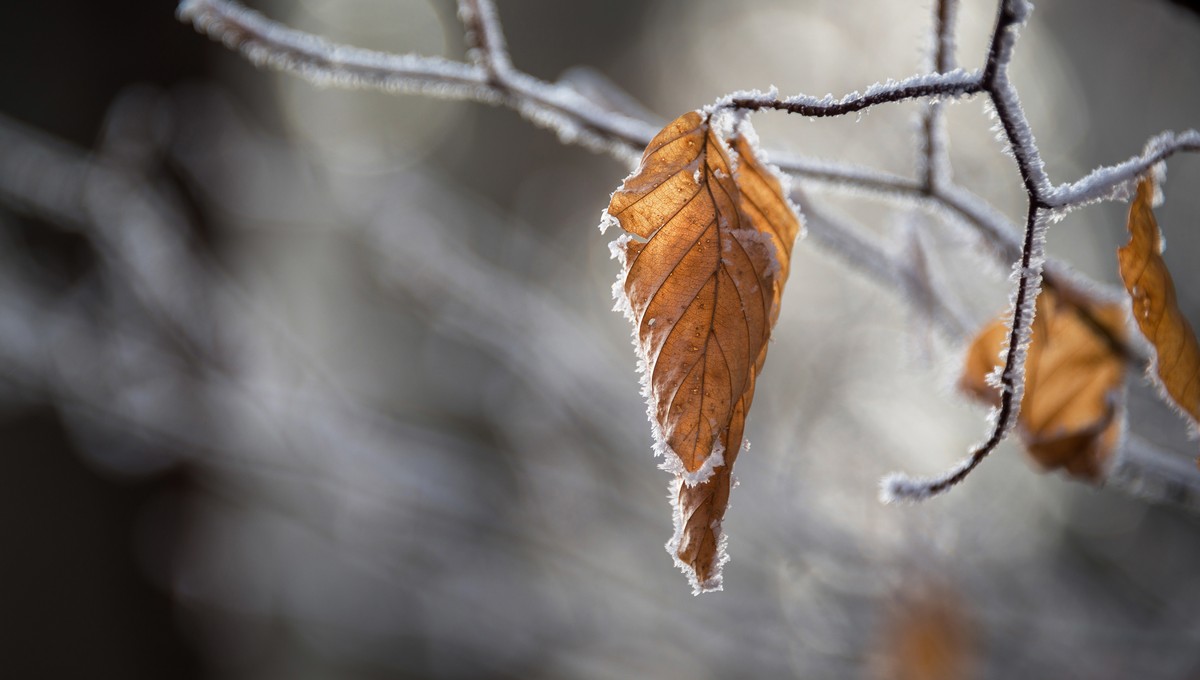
(1177, 355)
(1074, 376)
(710, 233)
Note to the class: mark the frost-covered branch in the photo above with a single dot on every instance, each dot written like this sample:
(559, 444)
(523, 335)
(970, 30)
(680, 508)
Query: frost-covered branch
(579, 118)
(953, 84)
(1028, 272)
(490, 77)
(1003, 96)
(268, 43)
(489, 80)
(933, 164)
(1010, 379)
(485, 39)
(1111, 182)
(951, 203)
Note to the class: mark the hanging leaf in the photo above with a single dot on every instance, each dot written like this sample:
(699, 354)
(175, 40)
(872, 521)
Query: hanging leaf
(1074, 378)
(1177, 355)
(710, 233)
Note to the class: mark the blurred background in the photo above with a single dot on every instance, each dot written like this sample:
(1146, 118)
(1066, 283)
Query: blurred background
(303, 383)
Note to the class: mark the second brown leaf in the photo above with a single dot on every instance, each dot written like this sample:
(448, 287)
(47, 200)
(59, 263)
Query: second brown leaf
(1177, 355)
(1071, 414)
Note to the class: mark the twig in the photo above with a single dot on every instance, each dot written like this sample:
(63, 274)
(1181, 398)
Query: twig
(1028, 272)
(578, 119)
(956, 83)
(1003, 97)
(1110, 182)
(558, 107)
(933, 164)
(1011, 377)
(484, 38)
(491, 78)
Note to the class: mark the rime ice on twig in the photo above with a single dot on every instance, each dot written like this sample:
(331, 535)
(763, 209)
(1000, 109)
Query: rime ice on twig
(578, 118)
(1115, 181)
(558, 107)
(933, 165)
(483, 34)
(267, 43)
(1143, 470)
(1011, 377)
(956, 83)
(1003, 96)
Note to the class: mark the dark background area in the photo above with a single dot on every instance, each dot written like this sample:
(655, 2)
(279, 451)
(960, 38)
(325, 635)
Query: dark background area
(76, 602)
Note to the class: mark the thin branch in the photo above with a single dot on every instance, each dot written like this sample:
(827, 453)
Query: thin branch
(576, 118)
(953, 204)
(271, 44)
(945, 13)
(1011, 377)
(956, 83)
(998, 233)
(933, 165)
(485, 39)
(1107, 183)
(1003, 96)
(324, 63)
(1146, 471)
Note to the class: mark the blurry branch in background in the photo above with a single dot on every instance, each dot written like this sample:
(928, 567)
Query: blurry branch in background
(155, 286)
(933, 160)
(490, 77)
(160, 348)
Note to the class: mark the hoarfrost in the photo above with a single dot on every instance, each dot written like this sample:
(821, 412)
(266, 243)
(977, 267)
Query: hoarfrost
(1117, 182)
(607, 221)
(267, 43)
(900, 488)
(716, 458)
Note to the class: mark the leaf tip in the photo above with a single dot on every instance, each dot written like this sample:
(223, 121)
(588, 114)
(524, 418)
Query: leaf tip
(698, 546)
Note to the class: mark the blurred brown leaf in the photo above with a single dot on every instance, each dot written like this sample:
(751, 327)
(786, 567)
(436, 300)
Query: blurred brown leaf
(708, 250)
(1177, 356)
(927, 636)
(1074, 374)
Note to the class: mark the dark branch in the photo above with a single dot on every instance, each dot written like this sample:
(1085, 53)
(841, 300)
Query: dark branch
(1012, 375)
(955, 84)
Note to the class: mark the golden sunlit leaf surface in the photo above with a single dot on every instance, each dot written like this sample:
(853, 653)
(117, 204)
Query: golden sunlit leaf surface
(1177, 355)
(709, 242)
(1074, 377)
